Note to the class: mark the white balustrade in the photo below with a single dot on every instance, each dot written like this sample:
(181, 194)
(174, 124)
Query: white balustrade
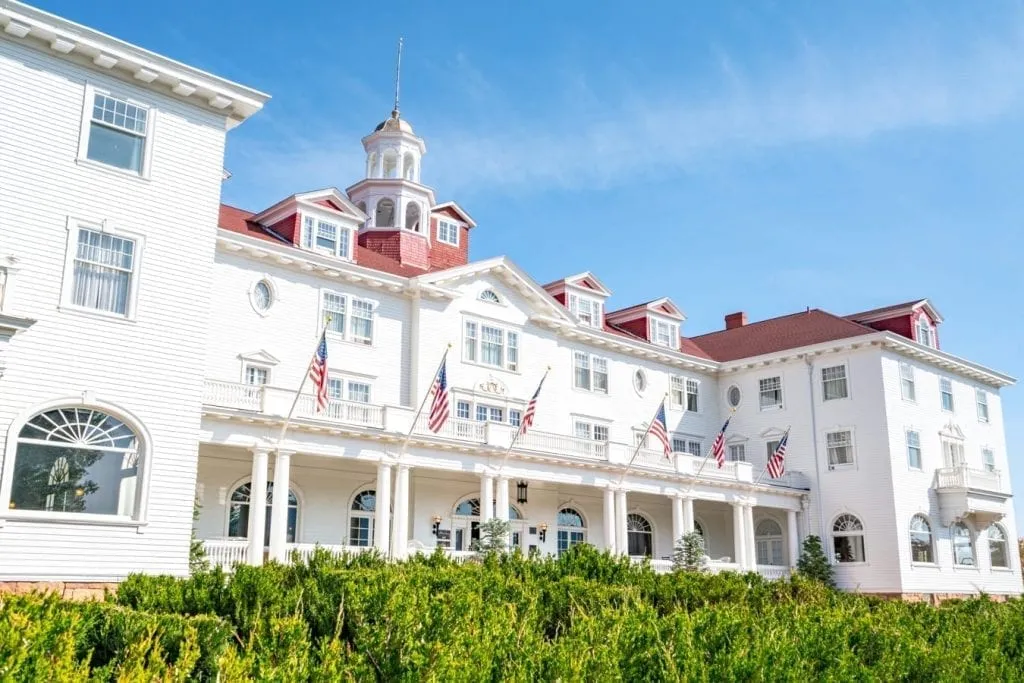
(454, 428)
(547, 442)
(232, 395)
(349, 412)
(773, 572)
(964, 477)
(226, 552)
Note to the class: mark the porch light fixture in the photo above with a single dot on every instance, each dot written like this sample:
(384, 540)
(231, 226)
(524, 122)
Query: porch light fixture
(543, 528)
(521, 492)
(436, 519)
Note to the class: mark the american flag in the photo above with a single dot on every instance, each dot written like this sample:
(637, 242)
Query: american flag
(318, 373)
(439, 407)
(660, 429)
(777, 463)
(531, 409)
(718, 447)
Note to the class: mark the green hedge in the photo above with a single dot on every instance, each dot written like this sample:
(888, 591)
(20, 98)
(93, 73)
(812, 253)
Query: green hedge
(587, 616)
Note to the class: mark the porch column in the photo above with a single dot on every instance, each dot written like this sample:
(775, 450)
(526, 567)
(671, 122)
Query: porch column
(748, 524)
(793, 538)
(609, 520)
(400, 524)
(279, 507)
(501, 498)
(621, 536)
(678, 526)
(382, 514)
(688, 525)
(258, 505)
(739, 545)
(486, 498)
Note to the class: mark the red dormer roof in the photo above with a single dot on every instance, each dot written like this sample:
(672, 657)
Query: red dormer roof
(905, 308)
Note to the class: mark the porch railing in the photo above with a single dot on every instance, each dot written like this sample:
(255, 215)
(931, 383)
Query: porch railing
(349, 412)
(548, 442)
(454, 428)
(226, 552)
(232, 395)
(773, 572)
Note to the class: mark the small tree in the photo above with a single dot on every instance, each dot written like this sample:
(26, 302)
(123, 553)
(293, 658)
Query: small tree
(196, 553)
(813, 563)
(689, 553)
(494, 535)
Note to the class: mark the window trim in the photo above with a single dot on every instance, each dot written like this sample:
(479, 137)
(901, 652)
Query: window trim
(505, 328)
(972, 538)
(852, 446)
(267, 367)
(980, 394)
(760, 392)
(673, 332)
(346, 379)
(912, 379)
(72, 226)
(920, 451)
(300, 504)
(348, 336)
(845, 378)
(931, 541)
(339, 227)
(84, 132)
(448, 221)
(269, 282)
(861, 533)
(144, 450)
(572, 302)
(952, 396)
(354, 514)
(591, 357)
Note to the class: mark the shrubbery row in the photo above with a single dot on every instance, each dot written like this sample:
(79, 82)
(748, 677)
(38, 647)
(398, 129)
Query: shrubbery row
(586, 616)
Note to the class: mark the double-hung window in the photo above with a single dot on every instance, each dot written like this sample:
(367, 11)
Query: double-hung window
(448, 232)
(840, 448)
(907, 388)
(103, 271)
(682, 444)
(117, 132)
(677, 391)
(486, 413)
(981, 398)
(692, 395)
(591, 431)
(693, 447)
(356, 391)
(988, 459)
(770, 393)
(738, 452)
(952, 453)
(833, 383)
(946, 392)
(664, 333)
(348, 317)
(327, 237)
(256, 376)
(462, 410)
(913, 450)
(490, 345)
(590, 373)
(587, 311)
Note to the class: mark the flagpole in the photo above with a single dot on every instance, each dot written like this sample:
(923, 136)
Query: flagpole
(704, 461)
(302, 385)
(640, 441)
(765, 470)
(423, 403)
(519, 430)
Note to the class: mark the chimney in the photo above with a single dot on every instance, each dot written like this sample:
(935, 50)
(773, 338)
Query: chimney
(734, 320)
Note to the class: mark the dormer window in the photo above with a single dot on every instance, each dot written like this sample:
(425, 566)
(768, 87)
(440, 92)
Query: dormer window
(326, 237)
(925, 333)
(664, 333)
(588, 311)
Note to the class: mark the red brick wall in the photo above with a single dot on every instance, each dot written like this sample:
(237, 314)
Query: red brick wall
(288, 228)
(403, 246)
(444, 255)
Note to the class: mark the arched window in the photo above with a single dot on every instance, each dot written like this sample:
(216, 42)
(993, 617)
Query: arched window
(490, 296)
(362, 207)
(360, 525)
(572, 529)
(385, 213)
(238, 513)
(848, 539)
(921, 540)
(471, 508)
(699, 528)
(77, 460)
(998, 551)
(409, 166)
(768, 540)
(639, 535)
(412, 217)
(371, 165)
(963, 545)
(390, 164)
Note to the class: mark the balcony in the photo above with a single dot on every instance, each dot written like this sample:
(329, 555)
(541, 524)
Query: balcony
(966, 492)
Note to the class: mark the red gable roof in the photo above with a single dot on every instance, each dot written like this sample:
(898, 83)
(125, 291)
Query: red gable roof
(778, 334)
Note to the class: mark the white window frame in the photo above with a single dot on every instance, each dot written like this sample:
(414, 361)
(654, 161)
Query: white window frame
(944, 382)
(508, 364)
(309, 226)
(988, 459)
(920, 452)
(908, 382)
(845, 379)
(737, 452)
(850, 445)
(455, 228)
(591, 363)
(761, 393)
(692, 388)
(471, 402)
(85, 128)
(654, 332)
(981, 401)
(953, 454)
(594, 315)
(345, 382)
(594, 427)
(928, 336)
(677, 392)
(269, 282)
(249, 365)
(72, 227)
(348, 335)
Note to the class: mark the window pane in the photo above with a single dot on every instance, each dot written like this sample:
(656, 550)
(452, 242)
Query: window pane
(513, 351)
(359, 531)
(692, 389)
(462, 410)
(470, 341)
(115, 147)
(492, 350)
(359, 392)
(737, 453)
(600, 375)
(362, 321)
(515, 417)
(102, 271)
(914, 450)
(74, 479)
(581, 372)
(834, 382)
(840, 450)
(334, 389)
(771, 392)
(334, 308)
(676, 391)
(946, 389)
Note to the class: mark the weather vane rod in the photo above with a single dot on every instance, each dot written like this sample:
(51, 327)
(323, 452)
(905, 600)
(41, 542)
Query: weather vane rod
(398, 74)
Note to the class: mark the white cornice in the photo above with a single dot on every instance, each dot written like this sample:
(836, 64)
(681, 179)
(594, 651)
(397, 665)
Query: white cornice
(88, 47)
(946, 361)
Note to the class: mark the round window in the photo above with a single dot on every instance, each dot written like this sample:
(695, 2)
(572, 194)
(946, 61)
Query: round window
(733, 396)
(640, 381)
(262, 296)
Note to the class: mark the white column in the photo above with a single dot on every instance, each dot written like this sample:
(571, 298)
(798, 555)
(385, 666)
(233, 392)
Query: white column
(279, 507)
(678, 526)
(621, 536)
(382, 515)
(400, 524)
(609, 520)
(501, 498)
(257, 505)
(792, 538)
(748, 524)
(739, 545)
(486, 497)
(688, 525)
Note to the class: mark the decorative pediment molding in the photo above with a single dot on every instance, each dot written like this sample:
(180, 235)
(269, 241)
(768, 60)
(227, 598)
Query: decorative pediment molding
(493, 385)
(952, 431)
(772, 431)
(737, 438)
(261, 356)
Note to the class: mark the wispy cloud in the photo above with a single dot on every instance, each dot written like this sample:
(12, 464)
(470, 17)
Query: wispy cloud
(620, 133)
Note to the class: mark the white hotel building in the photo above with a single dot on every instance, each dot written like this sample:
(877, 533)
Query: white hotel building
(152, 339)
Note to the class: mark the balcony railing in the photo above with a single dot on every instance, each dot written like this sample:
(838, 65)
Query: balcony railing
(454, 428)
(226, 552)
(547, 442)
(232, 395)
(349, 412)
(963, 477)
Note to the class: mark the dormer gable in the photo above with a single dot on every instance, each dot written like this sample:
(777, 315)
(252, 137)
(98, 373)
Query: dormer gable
(449, 235)
(584, 295)
(916, 320)
(323, 221)
(658, 322)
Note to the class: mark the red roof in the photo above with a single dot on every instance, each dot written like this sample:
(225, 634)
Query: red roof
(885, 309)
(685, 345)
(778, 334)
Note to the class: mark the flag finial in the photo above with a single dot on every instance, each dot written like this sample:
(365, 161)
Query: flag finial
(398, 77)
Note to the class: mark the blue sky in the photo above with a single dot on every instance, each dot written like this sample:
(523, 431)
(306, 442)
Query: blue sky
(758, 156)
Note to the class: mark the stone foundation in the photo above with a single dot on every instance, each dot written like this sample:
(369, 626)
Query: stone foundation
(935, 598)
(68, 590)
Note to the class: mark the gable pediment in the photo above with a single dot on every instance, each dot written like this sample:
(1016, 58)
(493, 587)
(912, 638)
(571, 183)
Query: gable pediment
(772, 432)
(952, 431)
(262, 357)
